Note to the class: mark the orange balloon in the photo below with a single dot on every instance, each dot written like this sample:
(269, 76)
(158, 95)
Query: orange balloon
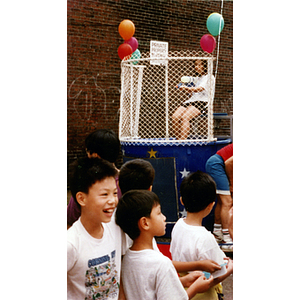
(126, 29)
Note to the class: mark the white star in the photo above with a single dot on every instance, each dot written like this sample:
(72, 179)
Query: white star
(185, 173)
(183, 213)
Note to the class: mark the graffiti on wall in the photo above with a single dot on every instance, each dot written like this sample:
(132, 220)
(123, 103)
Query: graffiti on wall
(90, 98)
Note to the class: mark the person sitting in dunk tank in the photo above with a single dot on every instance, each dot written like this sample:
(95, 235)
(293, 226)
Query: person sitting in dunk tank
(192, 107)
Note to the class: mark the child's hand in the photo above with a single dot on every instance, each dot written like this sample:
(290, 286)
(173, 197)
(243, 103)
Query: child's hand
(229, 265)
(209, 265)
(202, 284)
(190, 278)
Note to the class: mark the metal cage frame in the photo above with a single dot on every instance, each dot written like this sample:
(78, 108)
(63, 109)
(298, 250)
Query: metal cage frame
(149, 98)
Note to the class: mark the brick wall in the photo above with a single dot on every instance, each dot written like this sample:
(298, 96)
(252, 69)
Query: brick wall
(93, 80)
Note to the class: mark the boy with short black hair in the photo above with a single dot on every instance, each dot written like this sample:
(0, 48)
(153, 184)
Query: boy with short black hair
(95, 242)
(141, 264)
(136, 174)
(102, 143)
(190, 240)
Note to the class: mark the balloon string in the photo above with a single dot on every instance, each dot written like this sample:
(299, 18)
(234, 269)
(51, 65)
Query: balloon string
(219, 37)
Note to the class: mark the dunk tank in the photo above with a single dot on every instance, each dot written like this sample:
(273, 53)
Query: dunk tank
(149, 97)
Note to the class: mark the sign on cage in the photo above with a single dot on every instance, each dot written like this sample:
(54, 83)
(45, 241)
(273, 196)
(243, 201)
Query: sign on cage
(158, 50)
(167, 101)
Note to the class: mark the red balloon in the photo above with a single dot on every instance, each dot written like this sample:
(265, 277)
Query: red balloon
(208, 43)
(133, 43)
(124, 50)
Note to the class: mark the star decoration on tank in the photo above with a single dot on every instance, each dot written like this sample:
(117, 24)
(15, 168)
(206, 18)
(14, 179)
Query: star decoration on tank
(152, 153)
(183, 213)
(184, 173)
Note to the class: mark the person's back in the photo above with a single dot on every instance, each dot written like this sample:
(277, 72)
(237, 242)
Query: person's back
(192, 243)
(189, 239)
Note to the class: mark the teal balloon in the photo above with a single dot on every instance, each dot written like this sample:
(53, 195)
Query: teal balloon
(136, 55)
(213, 24)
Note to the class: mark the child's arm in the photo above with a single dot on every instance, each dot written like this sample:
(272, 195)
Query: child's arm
(190, 278)
(192, 89)
(207, 265)
(201, 285)
(229, 268)
(121, 291)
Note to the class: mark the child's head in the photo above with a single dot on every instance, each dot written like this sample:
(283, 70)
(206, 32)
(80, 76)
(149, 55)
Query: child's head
(103, 143)
(137, 209)
(136, 174)
(87, 172)
(197, 191)
(201, 66)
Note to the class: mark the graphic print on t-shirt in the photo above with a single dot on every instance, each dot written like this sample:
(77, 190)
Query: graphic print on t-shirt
(101, 279)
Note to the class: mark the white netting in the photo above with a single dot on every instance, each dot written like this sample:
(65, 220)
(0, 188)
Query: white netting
(150, 99)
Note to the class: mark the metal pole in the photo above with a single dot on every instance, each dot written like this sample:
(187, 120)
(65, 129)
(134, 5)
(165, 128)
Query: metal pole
(167, 99)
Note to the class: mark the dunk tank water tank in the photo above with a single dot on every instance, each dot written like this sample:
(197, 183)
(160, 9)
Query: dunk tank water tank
(149, 97)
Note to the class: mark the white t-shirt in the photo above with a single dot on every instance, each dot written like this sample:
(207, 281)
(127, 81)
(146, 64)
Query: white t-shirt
(192, 243)
(149, 275)
(203, 95)
(94, 265)
(130, 243)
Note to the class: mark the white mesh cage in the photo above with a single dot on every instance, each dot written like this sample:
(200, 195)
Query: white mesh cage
(150, 97)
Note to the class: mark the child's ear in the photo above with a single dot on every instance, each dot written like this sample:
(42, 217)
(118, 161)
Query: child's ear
(211, 205)
(143, 223)
(80, 197)
(150, 188)
(181, 201)
(92, 155)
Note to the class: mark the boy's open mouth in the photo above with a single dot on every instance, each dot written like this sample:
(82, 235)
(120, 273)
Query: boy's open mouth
(109, 211)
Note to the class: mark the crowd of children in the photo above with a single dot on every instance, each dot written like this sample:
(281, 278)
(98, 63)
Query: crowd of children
(112, 251)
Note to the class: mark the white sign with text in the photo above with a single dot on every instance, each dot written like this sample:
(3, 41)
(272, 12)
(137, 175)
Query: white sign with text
(158, 50)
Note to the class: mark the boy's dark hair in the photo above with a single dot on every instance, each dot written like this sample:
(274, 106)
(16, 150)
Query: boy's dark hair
(136, 174)
(197, 190)
(88, 171)
(105, 143)
(132, 206)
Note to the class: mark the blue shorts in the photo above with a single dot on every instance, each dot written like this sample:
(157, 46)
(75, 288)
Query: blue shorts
(215, 167)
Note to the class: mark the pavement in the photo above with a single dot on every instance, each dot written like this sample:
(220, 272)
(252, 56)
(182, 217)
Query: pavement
(228, 288)
(228, 283)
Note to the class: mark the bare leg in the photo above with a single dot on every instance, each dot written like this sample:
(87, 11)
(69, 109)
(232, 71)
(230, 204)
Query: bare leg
(226, 204)
(185, 128)
(231, 222)
(176, 117)
(190, 113)
(218, 212)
